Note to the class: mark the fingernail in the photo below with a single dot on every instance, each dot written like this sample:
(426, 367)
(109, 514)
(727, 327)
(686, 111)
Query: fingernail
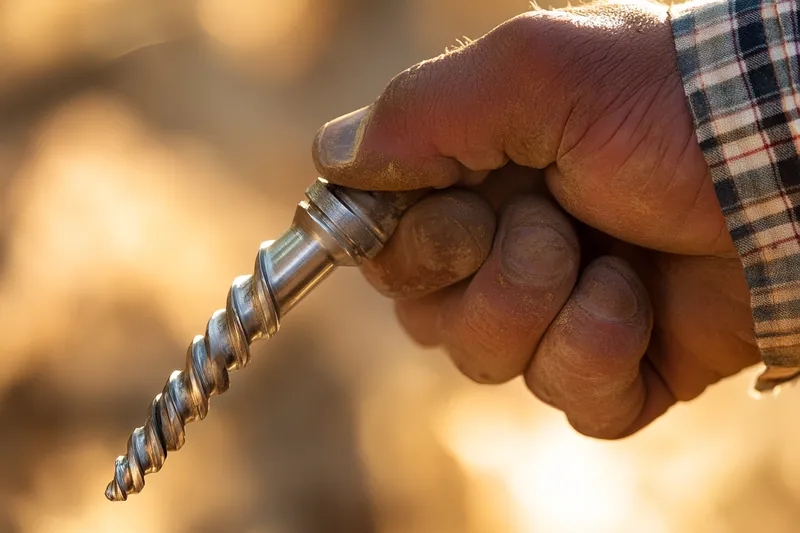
(607, 295)
(445, 247)
(536, 255)
(338, 141)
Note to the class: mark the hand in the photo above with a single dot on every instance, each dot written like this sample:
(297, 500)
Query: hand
(657, 308)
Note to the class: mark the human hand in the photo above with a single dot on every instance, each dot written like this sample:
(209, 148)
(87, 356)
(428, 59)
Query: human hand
(617, 290)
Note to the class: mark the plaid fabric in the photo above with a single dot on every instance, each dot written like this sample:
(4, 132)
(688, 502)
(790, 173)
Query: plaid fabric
(739, 64)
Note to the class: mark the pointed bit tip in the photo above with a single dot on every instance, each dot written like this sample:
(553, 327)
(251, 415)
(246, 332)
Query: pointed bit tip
(113, 495)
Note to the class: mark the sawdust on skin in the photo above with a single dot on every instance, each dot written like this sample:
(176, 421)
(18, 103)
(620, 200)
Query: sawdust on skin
(440, 241)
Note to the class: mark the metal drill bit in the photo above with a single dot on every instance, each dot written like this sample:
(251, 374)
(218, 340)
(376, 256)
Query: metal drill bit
(336, 227)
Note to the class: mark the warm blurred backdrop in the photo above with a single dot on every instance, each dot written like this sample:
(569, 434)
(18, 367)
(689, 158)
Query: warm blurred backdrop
(146, 148)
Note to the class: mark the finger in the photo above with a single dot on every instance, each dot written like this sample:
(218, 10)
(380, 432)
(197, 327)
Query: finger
(441, 240)
(501, 185)
(704, 352)
(658, 399)
(420, 317)
(452, 117)
(588, 363)
(492, 327)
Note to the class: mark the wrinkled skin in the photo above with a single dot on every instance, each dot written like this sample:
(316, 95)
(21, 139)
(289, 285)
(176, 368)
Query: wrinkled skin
(595, 262)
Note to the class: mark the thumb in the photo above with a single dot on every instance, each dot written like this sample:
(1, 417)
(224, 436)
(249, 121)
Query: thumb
(447, 119)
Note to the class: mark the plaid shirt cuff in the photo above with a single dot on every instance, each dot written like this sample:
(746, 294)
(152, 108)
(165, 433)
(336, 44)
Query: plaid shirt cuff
(739, 64)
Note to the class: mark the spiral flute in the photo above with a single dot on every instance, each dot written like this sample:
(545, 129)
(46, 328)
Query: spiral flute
(335, 227)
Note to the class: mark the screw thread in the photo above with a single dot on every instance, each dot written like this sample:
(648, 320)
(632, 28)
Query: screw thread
(186, 395)
(336, 226)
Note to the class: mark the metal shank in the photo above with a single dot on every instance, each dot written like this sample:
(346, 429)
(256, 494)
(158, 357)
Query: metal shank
(335, 227)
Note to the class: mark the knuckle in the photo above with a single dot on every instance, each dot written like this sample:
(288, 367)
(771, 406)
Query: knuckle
(397, 89)
(546, 39)
(410, 96)
(522, 35)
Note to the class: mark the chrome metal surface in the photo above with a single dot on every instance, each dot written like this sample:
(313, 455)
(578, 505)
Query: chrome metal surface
(335, 227)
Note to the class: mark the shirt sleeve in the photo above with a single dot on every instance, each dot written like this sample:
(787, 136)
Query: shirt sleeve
(739, 64)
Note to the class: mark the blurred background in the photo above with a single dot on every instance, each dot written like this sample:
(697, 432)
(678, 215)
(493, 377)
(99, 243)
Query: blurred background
(146, 148)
